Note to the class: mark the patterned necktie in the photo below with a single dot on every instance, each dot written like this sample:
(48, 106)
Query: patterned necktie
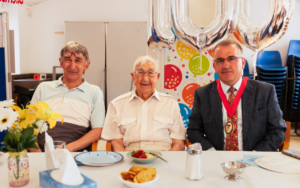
(232, 138)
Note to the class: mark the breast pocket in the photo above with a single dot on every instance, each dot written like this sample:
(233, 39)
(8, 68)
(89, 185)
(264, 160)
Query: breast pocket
(127, 125)
(162, 125)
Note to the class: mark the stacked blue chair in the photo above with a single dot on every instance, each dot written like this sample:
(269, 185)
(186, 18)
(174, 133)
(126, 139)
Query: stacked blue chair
(293, 64)
(269, 69)
(246, 71)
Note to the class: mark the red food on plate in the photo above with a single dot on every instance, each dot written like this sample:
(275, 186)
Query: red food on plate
(137, 155)
(143, 156)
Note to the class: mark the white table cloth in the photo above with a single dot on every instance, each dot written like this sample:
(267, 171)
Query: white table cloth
(171, 174)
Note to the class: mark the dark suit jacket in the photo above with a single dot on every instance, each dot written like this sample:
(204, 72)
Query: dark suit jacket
(263, 127)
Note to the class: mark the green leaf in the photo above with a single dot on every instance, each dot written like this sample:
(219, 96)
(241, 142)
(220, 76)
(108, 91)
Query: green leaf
(30, 143)
(9, 140)
(26, 133)
(4, 149)
(17, 136)
(35, 126)
(32, 139)
(20, 146)
(10, 149)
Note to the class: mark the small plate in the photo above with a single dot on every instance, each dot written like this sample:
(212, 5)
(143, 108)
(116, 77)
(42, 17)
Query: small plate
(139, 185)
(144, 161)
(98, 158)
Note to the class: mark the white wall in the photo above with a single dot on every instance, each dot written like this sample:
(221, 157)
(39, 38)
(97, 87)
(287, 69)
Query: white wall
(25, 41)
(40, 46)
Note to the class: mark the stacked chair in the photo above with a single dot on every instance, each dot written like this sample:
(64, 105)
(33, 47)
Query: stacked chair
(293, 64)
(246, 71)
(269, 69)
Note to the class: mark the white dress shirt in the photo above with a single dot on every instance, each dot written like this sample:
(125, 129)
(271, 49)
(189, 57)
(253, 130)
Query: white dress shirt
(157, 119)
(226, 91)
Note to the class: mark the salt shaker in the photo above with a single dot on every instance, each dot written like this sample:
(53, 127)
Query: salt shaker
(194, 165)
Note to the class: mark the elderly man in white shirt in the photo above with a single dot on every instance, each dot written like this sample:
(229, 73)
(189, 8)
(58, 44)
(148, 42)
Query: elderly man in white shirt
(144, 118)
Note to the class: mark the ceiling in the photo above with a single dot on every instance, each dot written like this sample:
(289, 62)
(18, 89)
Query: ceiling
(33, 2)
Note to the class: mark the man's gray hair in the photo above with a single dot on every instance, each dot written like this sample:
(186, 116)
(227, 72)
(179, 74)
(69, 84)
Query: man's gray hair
(142, 60)
(228, 42)
(75, 47)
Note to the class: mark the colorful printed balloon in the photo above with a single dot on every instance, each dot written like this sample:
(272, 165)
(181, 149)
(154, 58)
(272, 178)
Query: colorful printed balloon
(173, 76)
(199, 67)
(188, 93)
(185, 112)
(216, 76)
(211, 52)
(184, 52)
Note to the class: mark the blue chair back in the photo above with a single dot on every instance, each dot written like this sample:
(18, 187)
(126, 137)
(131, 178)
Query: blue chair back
(269, 59)
(246, 69)
(294, 48)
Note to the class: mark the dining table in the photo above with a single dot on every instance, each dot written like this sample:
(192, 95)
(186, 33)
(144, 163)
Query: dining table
(171, 174)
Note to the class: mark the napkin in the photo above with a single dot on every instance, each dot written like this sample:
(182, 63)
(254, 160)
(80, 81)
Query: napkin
(68, 172)
(49, 147)
(250, 160)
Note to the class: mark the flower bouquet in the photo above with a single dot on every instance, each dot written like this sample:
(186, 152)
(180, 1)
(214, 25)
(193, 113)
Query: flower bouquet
(23, 125)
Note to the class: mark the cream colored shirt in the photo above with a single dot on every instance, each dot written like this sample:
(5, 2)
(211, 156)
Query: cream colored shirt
(157, 119)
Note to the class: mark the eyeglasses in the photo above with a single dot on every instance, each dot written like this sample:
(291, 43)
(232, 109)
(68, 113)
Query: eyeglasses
(141, 73)
(69, 54)
(231, 59)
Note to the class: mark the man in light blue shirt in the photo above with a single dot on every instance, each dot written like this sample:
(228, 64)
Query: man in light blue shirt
(80, 103)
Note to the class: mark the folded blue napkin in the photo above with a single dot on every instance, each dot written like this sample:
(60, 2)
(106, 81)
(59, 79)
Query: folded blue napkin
(79, 164)
(250, 160)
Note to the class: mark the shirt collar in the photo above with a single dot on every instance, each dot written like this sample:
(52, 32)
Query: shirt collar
(134, 95)
(82, 86)
(237, 85)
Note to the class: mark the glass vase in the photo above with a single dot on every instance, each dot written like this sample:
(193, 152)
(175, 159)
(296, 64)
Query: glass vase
(18, 169)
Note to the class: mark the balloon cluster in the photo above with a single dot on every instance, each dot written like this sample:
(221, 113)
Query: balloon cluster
(233, 16)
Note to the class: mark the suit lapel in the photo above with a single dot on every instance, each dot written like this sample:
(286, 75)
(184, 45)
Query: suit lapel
(216, 107)
(247, 107)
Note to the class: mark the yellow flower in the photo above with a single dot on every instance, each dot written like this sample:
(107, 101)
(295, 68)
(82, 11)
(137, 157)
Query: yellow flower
(36, 132)
(29, 119)
(42, 111)
(22, 112)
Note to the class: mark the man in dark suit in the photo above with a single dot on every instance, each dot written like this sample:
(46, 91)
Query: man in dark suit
(233, 113)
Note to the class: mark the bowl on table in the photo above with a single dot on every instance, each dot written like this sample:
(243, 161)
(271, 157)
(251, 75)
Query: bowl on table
(138, 185)
(144, 161)
(233, 169)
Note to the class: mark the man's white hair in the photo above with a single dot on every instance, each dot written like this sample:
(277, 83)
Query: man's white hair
(142, 60)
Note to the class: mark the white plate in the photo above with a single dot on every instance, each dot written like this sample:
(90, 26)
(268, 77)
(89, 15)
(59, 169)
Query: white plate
(98, 158)
(280, 163)
(138, 185)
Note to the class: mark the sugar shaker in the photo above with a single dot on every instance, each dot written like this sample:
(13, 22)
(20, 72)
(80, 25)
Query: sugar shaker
(194, 165)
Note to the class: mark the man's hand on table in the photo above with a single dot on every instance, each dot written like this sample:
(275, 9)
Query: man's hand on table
(35, 150)
(177, 145)
(117, 145)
